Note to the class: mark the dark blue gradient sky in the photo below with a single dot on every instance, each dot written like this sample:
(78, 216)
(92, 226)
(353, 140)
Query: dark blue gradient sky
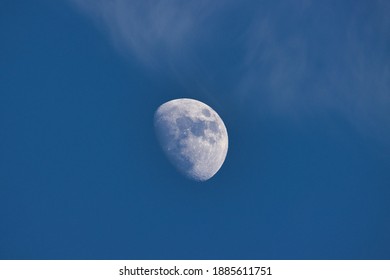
(302, 86)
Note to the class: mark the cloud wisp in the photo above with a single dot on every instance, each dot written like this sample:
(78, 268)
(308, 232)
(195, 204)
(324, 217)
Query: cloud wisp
(151, 29)
(291, 59)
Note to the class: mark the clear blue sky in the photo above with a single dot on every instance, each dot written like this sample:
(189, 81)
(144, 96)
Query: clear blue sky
(302, 86)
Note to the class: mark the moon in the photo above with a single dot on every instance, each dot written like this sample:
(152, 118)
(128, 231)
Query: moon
(192, 136)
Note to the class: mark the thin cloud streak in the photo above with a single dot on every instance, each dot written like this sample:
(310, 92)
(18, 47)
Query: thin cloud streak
(149, 29)
(286, 61)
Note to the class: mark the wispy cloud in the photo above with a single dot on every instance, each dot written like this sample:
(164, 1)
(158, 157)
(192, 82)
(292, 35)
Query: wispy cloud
(340, 65)
(287, 58)
(151, 29)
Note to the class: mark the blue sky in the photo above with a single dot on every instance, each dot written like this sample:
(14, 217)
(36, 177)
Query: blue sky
(302, 86)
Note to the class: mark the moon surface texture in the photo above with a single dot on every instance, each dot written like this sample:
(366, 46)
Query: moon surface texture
(193, 137)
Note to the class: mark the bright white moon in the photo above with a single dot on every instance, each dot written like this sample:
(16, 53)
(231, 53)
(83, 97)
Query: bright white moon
(193, 137)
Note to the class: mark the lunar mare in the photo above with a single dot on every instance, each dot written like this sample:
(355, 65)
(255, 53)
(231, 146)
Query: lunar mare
(192, 136)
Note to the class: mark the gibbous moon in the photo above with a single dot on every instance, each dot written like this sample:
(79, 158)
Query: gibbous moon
(192, 136)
